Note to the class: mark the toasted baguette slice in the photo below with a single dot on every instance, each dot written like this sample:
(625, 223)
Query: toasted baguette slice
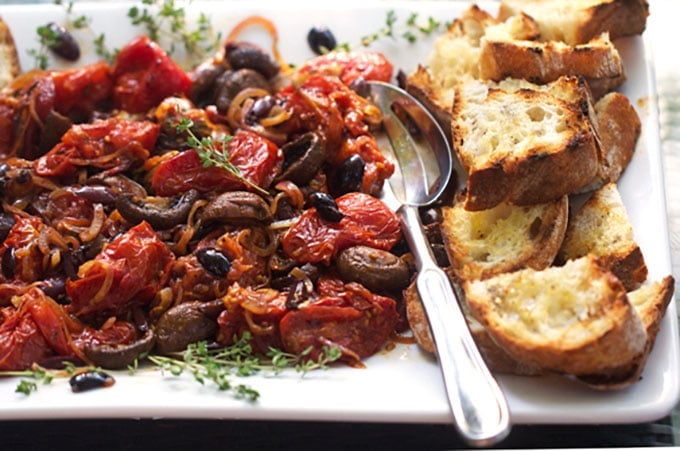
(525, 147)
(542, 62)
(9, 59)
(574, 319)
(456, 54)
(497, 359)
(601, 227)
(505, 238)
(578, 21)
(618, 127)
(650, 302)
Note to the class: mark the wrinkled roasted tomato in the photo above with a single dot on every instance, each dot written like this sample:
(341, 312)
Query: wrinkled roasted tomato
(91, 157)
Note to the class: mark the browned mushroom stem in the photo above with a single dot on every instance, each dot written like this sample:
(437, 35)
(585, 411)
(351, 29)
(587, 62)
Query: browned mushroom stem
(119, 355)
(160, 215)
(240, 208)
(186, 323)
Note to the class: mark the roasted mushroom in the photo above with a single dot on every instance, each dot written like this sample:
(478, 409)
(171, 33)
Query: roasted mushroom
(302, 158)
(161, 213)
(241, 208)
(119, 355)
(377, 270)
(186, 323)
(246, 55)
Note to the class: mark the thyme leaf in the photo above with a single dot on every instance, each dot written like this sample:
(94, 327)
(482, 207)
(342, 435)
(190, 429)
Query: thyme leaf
(212, 154)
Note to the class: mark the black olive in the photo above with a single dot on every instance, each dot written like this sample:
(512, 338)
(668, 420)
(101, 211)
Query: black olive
(361, 87)
(9, 262)
(321, 40)
(349, 175)
(6, 224)
(23, 177)
(214, 261)
(297, 294)
(54, 287)
(61, 42)
(260, 109)
(326, 207)
(90, 380)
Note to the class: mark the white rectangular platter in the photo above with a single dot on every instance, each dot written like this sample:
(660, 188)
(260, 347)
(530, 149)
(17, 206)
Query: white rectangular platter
(404, 384)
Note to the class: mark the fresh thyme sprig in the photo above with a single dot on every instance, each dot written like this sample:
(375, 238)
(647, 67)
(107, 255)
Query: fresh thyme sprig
(168, 18)
(410, 30)
(212, 155)
(40, 374)
(221, 365)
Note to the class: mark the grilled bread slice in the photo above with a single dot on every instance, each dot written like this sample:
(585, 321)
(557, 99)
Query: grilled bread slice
(650, 302)
(9, 59)
(601, 227)
(597, 61)
(495, 357)
(578, 21)
(574, 319)
(525, 146)
(505, 238)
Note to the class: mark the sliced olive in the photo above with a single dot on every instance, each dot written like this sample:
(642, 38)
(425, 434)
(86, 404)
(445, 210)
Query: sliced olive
(326, 207)
(186, 323)
(60, 41)
(241, 208)
(246, 55)
(89, 380)
(214, 261)
(321, 40)
(376, 269)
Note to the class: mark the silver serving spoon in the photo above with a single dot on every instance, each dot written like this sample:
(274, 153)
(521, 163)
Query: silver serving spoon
(423, 168)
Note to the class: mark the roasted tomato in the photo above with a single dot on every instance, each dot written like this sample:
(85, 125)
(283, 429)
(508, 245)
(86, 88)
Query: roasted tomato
(83, 89)
(129, 271)
(366, 221)
(324, 104)
(350, 66)
(112, 144)
(258, 160)
(34, 331)
(255, 310)
(351, 317)
(144, 75)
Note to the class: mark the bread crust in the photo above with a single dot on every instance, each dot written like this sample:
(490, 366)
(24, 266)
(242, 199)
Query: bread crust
(610, 335)
(9, 58)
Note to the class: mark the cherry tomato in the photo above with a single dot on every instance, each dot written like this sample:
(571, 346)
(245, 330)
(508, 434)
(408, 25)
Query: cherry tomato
(352, 318)
(129, 271)
(366, 221)
(350, 66)
(112, 144)
(82, 89)
(33, 332)
(144, 75)
(258, 160)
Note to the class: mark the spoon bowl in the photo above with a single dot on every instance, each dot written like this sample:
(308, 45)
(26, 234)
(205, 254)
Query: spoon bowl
(416, 144)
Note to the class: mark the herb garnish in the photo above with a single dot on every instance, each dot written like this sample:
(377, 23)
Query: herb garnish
(211, 155)
(410, 31)
(220, 365)
(40, 374)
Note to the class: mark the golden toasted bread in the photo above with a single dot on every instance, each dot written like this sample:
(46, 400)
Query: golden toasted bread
(9, 59)
(573, 319)
(601, 227)
(650, 302)
(505, 238)
(497, 359)
(525, 146)
(597, 61)
(578, 21)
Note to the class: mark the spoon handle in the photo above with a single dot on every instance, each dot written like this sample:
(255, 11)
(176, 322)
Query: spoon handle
(479, 407)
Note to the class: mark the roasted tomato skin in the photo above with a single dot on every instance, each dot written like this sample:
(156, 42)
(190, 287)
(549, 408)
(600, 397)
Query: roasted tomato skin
(367, 221)
(112, 144)
(33, 332)
(82, 90)
(144, 75)
(354, 319)
(128, 271)
(258, 160)
(350, 66)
